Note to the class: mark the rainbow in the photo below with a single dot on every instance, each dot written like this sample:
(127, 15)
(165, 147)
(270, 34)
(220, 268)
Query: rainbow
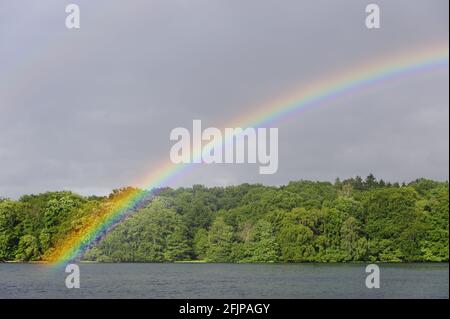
(327, 88)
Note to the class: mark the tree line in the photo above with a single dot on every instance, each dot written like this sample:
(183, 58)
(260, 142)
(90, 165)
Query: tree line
(304, 221)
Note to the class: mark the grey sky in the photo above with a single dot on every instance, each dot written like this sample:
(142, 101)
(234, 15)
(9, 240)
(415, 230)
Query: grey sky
(92, 109)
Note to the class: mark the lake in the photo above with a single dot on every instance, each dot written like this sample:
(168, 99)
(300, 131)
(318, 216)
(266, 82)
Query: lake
(197, 280)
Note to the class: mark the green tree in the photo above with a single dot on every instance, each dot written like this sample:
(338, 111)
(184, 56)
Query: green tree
(262, 246)
(28, 248)
(201, 243)
(352, 241)
(9, 228)
(220, 238)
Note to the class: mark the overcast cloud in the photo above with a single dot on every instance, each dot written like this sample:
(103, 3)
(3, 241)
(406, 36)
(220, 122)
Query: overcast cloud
(91, 110)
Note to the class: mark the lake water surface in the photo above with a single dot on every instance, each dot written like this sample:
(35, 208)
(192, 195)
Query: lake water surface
(225, 281)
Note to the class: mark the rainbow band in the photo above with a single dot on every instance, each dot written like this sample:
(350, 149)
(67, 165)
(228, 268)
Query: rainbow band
(318, 92)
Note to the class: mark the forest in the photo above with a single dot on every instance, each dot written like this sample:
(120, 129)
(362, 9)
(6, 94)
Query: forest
(354, 220)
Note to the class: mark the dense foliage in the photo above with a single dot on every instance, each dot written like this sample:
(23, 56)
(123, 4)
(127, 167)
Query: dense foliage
(352, 220)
